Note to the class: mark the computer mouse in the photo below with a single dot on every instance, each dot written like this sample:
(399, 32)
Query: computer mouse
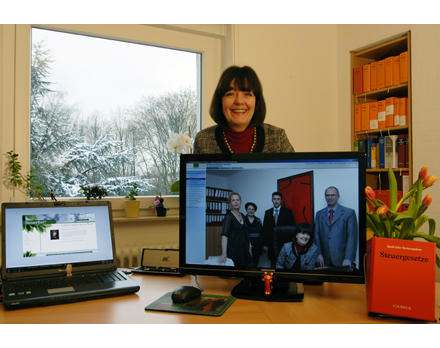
(185, 294)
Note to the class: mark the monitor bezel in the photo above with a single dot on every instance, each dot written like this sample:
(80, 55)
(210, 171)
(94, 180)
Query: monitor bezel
(307, 276)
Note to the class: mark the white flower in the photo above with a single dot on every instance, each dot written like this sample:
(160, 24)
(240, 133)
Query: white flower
(180, 143)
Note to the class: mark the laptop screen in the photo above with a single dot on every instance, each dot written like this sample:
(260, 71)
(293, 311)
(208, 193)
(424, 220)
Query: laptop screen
(44, 235)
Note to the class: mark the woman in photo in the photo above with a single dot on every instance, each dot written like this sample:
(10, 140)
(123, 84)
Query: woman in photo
(254, 228)
(235, 240)
(301, 253)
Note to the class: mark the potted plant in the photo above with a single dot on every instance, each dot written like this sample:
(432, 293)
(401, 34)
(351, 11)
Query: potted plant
(93, 191)
(132, 205)
(401, 270)
(26, 183)
(161, 209)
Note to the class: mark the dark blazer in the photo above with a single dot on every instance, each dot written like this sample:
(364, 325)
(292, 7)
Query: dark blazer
(285, 218)
(269, 139)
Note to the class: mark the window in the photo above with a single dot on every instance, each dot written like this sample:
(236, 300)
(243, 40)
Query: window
(58, 134)
(102, 112)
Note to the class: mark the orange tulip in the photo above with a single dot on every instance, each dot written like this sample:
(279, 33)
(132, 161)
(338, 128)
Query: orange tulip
(383, 209)
(423, 173)
(429, 181)
(369, 192)
(427, 200)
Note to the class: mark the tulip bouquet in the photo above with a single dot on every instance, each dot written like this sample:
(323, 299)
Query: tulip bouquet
(386, 221)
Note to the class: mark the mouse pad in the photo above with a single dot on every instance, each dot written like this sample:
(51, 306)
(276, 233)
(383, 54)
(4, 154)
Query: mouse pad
(205, 305)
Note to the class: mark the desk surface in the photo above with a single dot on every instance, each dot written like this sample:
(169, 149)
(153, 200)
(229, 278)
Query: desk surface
(327, 303)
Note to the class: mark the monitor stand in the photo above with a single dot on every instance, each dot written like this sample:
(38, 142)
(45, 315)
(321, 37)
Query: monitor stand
(282, 291)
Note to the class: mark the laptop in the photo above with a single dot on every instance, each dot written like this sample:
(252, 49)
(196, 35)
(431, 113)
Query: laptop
(159, 261)
(58, 252)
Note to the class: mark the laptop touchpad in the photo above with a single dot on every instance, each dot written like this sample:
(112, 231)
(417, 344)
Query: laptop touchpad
(58, 290)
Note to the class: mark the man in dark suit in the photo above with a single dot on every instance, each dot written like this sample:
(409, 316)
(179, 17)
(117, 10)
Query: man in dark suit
(276, 216)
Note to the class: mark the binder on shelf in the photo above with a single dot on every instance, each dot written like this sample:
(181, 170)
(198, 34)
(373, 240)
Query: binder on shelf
(389, 112)
(401, 150)
(380, 74)
(357, 118)
(381, 114)
(365, 116)
(391, 151)
(366, 77)
(396, 70)
(373, 76)
(406, 151)
(370, 144)
(403, 67)
(356, 146)
(374, 123)
(374, 155)
(381, 150)
(358, 83)
(403, 111)
(388, 72)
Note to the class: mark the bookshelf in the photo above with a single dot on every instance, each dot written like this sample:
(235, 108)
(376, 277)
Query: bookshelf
(217, 207)
(381, 109)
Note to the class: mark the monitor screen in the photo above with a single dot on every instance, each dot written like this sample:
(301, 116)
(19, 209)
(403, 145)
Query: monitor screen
(297, 216)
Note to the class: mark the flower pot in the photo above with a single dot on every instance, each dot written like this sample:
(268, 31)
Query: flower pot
(161, 211)
(401, 278)
(132, 208)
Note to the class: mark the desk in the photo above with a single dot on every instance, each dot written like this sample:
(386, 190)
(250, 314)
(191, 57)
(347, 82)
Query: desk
(327, 303)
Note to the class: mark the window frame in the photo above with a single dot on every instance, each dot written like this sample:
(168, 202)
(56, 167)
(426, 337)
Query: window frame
(15, 62)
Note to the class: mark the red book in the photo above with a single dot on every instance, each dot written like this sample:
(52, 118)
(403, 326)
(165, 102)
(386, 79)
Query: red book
(404, 67)
(388, 72)
(357, 118)
(373, 76)
(396, 70)
(401, 278)
(365, 116)
(380, 74)
(366, 77)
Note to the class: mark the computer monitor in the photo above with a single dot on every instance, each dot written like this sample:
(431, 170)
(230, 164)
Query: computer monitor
(306, 182)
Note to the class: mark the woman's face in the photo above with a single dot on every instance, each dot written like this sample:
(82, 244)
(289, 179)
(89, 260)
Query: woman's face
(250, 210)
(238, 108)
(235, 202)
(302, 238)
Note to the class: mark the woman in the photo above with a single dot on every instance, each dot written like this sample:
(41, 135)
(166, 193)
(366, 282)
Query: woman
(301, 253)
(235, 241)
(239, 110)
(254, 228)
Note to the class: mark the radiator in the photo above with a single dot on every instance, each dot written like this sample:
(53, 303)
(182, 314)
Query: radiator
(128, 257)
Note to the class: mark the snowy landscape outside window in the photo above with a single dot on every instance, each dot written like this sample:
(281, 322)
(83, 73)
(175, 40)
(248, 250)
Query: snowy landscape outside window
(102, 112)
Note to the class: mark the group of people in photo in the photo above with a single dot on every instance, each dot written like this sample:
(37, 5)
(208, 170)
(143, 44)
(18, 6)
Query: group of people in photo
(330, 243)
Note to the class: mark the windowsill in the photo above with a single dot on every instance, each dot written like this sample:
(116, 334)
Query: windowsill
(140, 219)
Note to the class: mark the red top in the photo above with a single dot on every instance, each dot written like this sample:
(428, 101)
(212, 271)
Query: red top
(240, 142)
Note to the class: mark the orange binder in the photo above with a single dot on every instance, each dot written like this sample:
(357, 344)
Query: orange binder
(403, 111)
(365, 116)
(373, 76)
(374, 123)
(357, 118)
(381, 116)
(403, 67)
(396, 70)
(380, 74)
(388, 72)
(366, 77)
(389, 112)
(401, 278)
(358, 83)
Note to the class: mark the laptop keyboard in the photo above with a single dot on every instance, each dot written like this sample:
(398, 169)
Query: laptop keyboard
(23, 288)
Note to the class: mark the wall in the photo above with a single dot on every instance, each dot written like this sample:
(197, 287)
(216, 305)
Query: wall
(296, 65)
